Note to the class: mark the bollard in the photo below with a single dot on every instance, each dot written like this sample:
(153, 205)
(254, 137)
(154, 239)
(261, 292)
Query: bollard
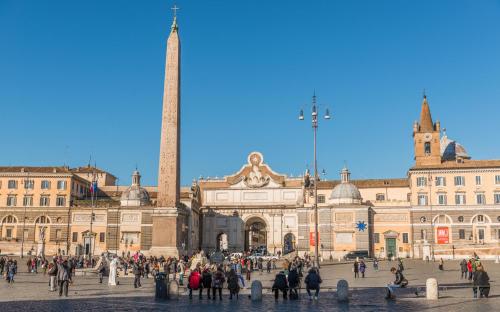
(256, 291)
(173, 290)
(342, 291)
(431, 289)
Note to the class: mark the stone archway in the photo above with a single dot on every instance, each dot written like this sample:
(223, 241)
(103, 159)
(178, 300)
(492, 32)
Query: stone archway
(222, 242)
(255, 234)
(289, 243)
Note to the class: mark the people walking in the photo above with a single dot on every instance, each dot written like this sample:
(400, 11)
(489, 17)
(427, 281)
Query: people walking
(236, 266)
(181, 268)
(63, 277)
(375, 264)
(356, 269)
(101, 270)
(194, 282)
(463, 269)
(11, 271)
(293, 283)
(313, 281)
(481, 282)
(206, 280)
(232, 284)
(53, 274)
(218, 280)
(469, 269)
(280, 284)
(362, 268)
(137, 270)
(401, 267)
(441, 264)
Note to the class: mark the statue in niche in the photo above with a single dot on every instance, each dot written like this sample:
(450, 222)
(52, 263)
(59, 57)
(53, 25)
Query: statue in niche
(41, 234)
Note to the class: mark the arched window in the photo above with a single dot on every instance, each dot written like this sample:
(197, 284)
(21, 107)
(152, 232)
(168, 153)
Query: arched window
(427, 147)
(442, 219)
(43, 220)
(10, 219)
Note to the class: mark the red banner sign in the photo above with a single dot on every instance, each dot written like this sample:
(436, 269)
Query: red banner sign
(312, 240)
(443, 235)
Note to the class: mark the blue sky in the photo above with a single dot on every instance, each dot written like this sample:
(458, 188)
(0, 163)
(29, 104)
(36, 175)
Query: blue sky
(86, 77)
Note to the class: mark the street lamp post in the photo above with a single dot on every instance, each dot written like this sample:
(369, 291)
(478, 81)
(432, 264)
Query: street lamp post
(314, 119)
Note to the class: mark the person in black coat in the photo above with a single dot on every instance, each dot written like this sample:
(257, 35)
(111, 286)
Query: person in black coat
(206, 280)
(232, 284)
(280, 284)
(313, 280)
(481, 281)
(293, 283)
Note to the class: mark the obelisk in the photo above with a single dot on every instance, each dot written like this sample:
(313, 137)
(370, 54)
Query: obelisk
(169, 218)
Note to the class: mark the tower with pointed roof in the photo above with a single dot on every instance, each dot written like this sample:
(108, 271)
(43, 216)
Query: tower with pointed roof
(426, 138)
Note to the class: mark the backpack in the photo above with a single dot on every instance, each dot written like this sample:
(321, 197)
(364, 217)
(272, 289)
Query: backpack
(194, 280)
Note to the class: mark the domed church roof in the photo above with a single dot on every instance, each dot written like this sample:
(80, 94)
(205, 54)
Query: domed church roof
(345, 192)
(135, 195)
(451, 149)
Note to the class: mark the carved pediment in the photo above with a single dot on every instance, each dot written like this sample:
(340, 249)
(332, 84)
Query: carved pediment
(255, 173)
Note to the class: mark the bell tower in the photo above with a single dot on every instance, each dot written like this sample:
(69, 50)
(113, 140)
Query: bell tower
(426, 138)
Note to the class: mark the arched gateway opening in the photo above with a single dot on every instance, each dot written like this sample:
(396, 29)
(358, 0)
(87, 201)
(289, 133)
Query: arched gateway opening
(255, 235)
(222, 244)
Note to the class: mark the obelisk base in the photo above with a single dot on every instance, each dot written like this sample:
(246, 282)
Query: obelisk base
(169, 232)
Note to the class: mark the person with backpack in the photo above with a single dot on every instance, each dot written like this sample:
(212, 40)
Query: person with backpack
(194, 282)
(218, 282)
(232, 284)
(280, 284)
(399, 282)
(312, 281)
(206, 280)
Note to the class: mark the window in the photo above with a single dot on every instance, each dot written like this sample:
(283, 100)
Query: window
(460, 199)
(61, 185)
(376, 238)
(380, 197)
(461, 234)
(405, 238)
(442, 199)
(44, 201)
(61, 201)
(74, 237)
(480, 218)
(11, 200)
(58, 234)
(497, 198)
(421, 181)
(459, 181)
(497, 179)
(481, 234)
(45, 185)
(478, 180)
(29, 184)
(461, 219)
(440, 181)
(321, 199)
(427, 147)
(422, 200)
(8, 233)
(28, 201)
(480, 199)
(101, 237)
(12, 184)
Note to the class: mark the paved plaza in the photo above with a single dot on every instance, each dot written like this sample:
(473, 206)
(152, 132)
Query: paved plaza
(30, 291)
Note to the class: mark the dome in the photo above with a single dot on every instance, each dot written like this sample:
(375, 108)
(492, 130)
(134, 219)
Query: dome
(451, 150)
(135, 195)
(345, 192)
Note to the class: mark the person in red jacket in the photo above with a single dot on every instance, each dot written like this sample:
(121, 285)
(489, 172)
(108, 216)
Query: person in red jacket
(194, 282)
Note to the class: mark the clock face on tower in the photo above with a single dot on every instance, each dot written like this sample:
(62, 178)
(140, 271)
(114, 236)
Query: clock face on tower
(427, 137)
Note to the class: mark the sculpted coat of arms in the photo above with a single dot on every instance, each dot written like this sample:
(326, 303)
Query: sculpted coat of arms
(255, 178)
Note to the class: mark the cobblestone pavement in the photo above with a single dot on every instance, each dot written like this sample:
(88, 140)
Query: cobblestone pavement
(30, 291)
